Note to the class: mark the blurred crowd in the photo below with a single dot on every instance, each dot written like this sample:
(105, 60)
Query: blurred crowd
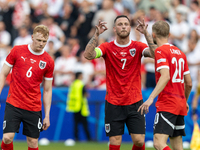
(72, 24)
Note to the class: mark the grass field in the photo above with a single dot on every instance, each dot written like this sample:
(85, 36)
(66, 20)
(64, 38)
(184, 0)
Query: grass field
(78, 146)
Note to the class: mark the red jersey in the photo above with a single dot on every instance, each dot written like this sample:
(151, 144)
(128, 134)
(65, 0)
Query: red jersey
(28, 71)
(123, 71)
(172, 98)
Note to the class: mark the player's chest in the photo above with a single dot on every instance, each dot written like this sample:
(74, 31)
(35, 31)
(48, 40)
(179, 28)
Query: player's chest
(123, 53)
(30, 65)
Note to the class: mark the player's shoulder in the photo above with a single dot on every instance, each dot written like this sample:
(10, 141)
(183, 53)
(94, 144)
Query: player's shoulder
(48, 57)
(20, 47)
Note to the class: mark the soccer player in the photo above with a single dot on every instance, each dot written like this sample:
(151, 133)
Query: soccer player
(123, 82)
(173, 88)
(30, 66)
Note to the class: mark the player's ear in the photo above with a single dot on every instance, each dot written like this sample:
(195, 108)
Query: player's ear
(169, 35)
(153, 35)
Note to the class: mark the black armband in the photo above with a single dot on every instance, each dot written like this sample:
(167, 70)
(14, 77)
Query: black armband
(194, 111)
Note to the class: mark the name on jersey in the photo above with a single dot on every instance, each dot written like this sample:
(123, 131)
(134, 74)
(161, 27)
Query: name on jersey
(173, 51)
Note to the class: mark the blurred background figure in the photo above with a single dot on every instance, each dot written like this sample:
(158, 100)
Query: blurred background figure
(105, 14)
(179, 31)
(65, 66)
(23, 38)
(5, 41)
(77, 103)
(87, 68)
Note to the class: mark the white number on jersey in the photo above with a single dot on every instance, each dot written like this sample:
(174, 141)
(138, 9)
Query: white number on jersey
(29, 72)
(124, 62)
(179, 69)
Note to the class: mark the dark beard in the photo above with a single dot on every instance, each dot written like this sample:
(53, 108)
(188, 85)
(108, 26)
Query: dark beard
(123, 36)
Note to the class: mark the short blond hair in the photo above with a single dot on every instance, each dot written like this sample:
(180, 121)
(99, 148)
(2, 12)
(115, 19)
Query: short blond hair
(42, 29)
(161, 29)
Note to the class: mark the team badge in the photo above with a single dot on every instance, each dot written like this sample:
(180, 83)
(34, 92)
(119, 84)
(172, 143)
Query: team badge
(132, 52)
(42, 64)
(107, 128)
(4, 124)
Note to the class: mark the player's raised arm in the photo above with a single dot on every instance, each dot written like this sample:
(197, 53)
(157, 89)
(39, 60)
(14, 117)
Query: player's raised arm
(142, 28)
(90, 52)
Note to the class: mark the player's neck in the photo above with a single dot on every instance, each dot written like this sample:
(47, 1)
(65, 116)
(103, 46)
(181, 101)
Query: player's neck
(161, 42)
(122, 41)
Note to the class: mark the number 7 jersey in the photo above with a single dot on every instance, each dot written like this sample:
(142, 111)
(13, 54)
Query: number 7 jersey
(123, 71)
(28, 71)
(172, 98)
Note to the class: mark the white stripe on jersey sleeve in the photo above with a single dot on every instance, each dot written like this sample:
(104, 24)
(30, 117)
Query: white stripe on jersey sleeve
(161, 67)
(144, 50)
(187, 72)
(8, 64)
(48, 78)
(161, 60)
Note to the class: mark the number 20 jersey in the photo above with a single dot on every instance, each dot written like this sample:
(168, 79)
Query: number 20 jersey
(29, 69)
(123, 71)
(172, 98)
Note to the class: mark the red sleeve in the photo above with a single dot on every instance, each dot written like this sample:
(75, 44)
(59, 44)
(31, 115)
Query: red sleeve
(161, 60)
(186, 68)
(103, 48)
(142, 46)
(49, 72)
(11, 58)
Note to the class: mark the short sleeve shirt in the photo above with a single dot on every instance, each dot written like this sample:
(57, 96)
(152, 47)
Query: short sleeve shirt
(28, 71)
(172, 98)
(123, 71)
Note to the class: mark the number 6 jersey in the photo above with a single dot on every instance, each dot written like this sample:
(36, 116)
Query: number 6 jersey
(172, 98)
(29, 69)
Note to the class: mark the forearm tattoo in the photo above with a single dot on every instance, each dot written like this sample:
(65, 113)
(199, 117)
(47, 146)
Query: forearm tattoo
(90, 48)
(151, 44)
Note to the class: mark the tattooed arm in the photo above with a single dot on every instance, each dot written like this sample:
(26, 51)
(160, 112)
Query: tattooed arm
(90, 52)
(142, 28)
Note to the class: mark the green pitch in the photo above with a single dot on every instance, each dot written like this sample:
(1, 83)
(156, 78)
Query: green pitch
(78, 146)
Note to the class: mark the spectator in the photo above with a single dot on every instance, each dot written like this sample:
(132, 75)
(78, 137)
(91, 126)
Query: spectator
(55, 32)
(179, 32)
(193, 60)
(107, 14)
(84, 23)
(87, 68)
(23, 38)
(64, 67)
(77, 103)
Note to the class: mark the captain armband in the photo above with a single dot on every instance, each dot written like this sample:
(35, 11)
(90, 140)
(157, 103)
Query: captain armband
(98, 52)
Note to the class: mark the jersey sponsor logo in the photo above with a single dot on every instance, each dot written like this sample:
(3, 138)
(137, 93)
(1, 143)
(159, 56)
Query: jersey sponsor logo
(159, 52)
(123, 54)
(132, 52)
(23, 58)
(161, 60)
(32, 60)
(42, 64)
(107, 128)
(4, 124)
(115, 53)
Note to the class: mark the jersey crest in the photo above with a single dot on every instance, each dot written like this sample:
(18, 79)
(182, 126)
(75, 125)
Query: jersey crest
(42, 64)
(132, 52)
